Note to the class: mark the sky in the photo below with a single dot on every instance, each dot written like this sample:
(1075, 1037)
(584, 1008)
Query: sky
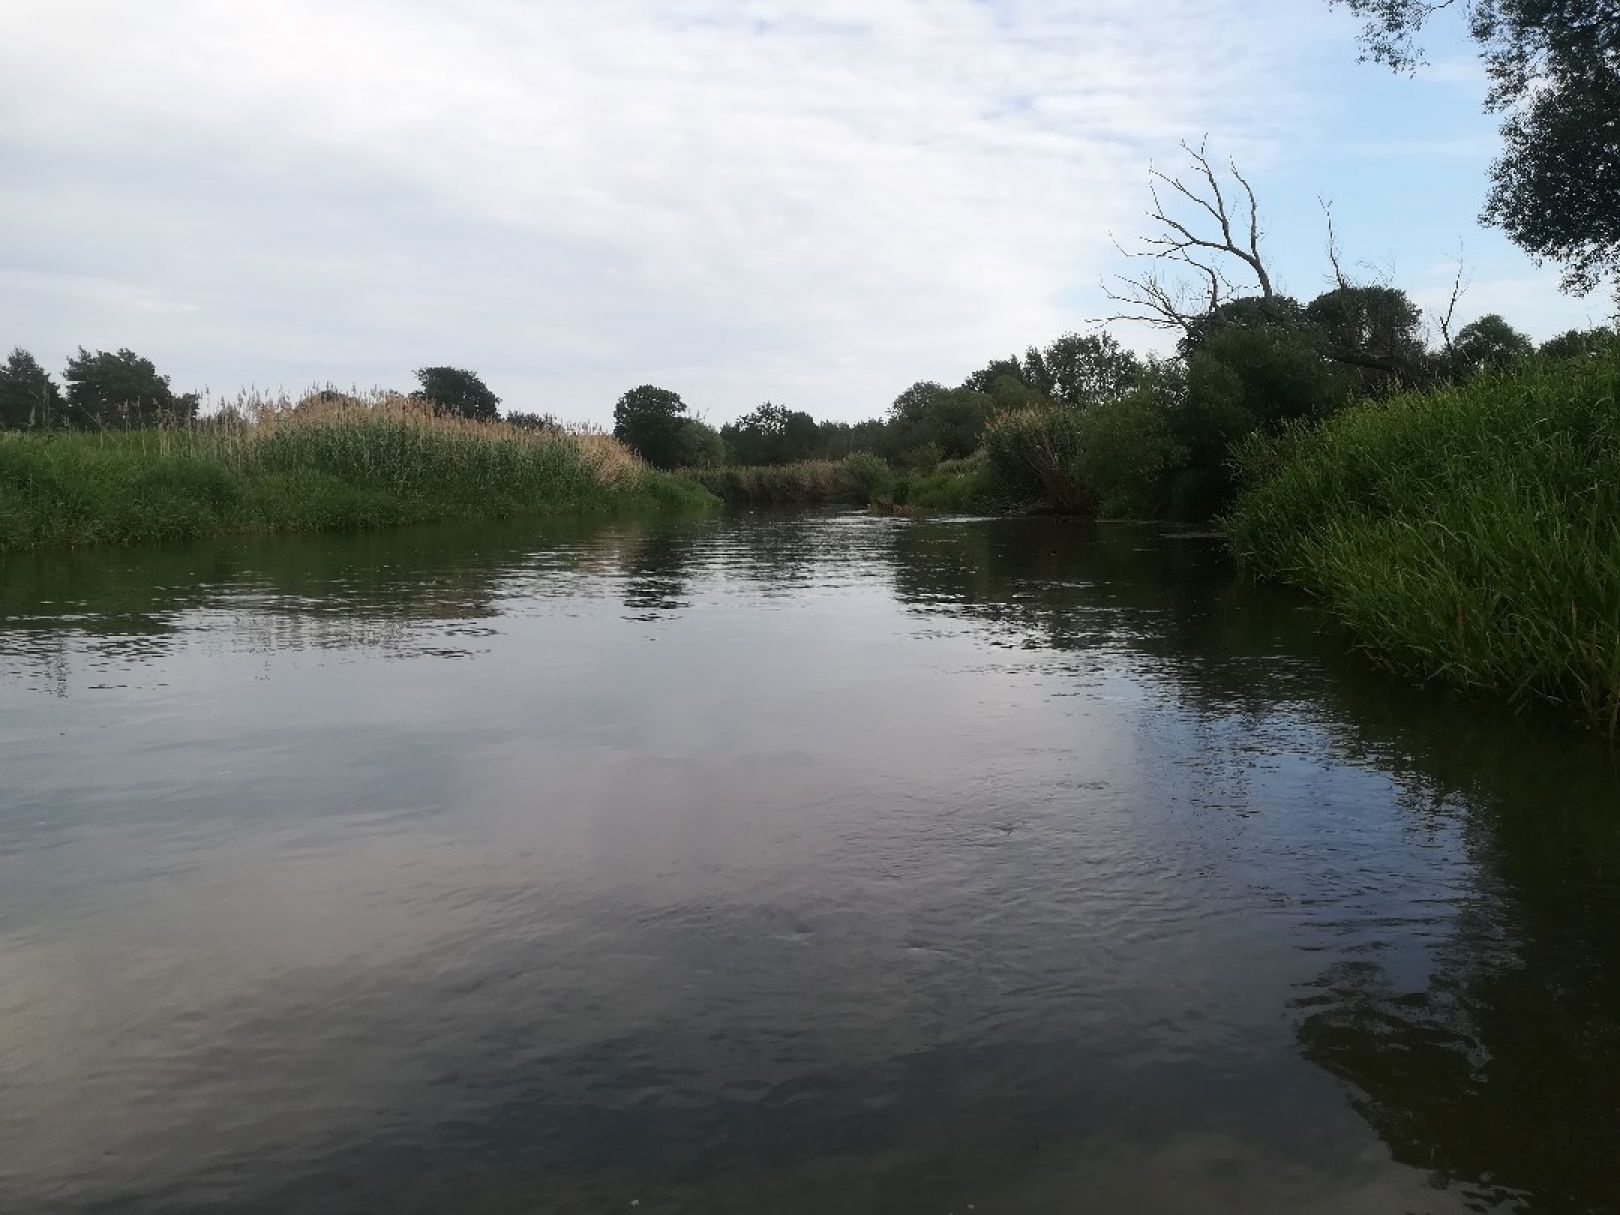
(813, 202)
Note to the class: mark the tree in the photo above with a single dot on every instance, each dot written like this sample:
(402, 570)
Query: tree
(772, 434)
(1489, 343)
(985, 379)
(649, 420)
(1376, 332)
(1081, 371)
(457, 391)
(1201, 256)
(28, 395)
(1582, 344)
(1554, 70)
(929, 415)
(108, 389)
(698, 445)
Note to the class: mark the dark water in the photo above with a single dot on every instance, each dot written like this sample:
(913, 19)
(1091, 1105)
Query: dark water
(816, 864)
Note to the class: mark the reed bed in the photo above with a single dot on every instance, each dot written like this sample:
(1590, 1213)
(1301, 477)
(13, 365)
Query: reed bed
(325, 462)
(1469, 535)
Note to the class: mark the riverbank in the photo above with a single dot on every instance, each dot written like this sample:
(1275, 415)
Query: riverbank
(1469, 535)
(316, 467)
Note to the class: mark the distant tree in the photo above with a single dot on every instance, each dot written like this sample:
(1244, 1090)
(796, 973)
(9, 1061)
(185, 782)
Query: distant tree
(985, 379)
(1582, 344)
(531, 421)
(1376, 332)
(1082, 370)
(1273, 313)
(457, 391)
(839, 439)
(112, 389)
(1554, 70)
(28, 395)
(698, 445)
(649, 420)
(1489, 343)
(950, 420)
(772, 434)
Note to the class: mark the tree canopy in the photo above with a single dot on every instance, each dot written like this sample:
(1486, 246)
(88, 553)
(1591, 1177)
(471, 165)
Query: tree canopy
(649, 420)
(772, 434)
(1554, 69)
(28, 395)
(119, 388)
(457, 391)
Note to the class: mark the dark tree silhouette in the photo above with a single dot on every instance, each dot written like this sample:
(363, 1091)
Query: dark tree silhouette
(457, 391)
(28, 395)
(118, 389)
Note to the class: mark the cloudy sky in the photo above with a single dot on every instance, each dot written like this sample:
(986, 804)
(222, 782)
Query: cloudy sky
(816, 202)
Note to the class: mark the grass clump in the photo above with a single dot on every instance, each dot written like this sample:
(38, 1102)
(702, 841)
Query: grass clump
(1469, 535)
(318, 465)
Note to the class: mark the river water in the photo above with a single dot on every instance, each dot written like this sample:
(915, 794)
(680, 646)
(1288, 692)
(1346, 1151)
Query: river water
(817, 863)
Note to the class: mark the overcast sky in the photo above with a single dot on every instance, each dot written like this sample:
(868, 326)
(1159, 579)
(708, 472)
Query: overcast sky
(816, 202)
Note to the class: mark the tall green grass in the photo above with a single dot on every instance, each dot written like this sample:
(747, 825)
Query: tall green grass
(281, 468)
(1469, 535)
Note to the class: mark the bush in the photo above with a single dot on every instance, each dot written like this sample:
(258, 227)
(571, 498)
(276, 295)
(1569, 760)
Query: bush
(1470, 535)
(1033, 455)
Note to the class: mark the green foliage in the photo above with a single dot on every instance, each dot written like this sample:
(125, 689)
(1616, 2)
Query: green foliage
(951, 419)
(1582, 344)
(870, 474)
(1469, 534)
(1129, 453)
(1376, 334)
(649, 421)
(28, 395)
(953, 486)
(698, 445)
(120, 389)
(345, 467)
(458, 392)
(1276, 313)
(1082, 371)
(1554, 67)
(1488, 344)
(1240, 379)
(1032, 455)
(805, 483)
(772, 434)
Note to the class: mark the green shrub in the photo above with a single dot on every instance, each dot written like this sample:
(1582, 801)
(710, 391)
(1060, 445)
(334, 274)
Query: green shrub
(1033, 456)
(1470, 535)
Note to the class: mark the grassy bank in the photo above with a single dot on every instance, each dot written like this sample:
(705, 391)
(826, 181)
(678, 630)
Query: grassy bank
(1469, 535)
(346, 465)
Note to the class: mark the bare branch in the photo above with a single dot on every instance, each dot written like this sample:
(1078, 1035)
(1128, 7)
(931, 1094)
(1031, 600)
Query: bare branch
(1459, 288)
(1339, 277)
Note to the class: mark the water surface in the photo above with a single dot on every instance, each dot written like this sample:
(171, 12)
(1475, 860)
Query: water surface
(778, 863)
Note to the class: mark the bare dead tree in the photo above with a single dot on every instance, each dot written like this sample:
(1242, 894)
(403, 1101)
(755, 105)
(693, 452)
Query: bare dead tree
(1459, 288)
(1190, 276)
(1340, 279)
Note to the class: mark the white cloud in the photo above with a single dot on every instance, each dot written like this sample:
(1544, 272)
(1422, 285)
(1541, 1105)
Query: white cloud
(814, 201)
(817, 202)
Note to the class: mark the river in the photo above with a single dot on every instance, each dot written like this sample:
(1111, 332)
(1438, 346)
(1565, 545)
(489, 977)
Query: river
(778, 863)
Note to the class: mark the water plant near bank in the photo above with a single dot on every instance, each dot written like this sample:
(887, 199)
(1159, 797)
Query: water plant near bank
(1468, 535)
(330, 463)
